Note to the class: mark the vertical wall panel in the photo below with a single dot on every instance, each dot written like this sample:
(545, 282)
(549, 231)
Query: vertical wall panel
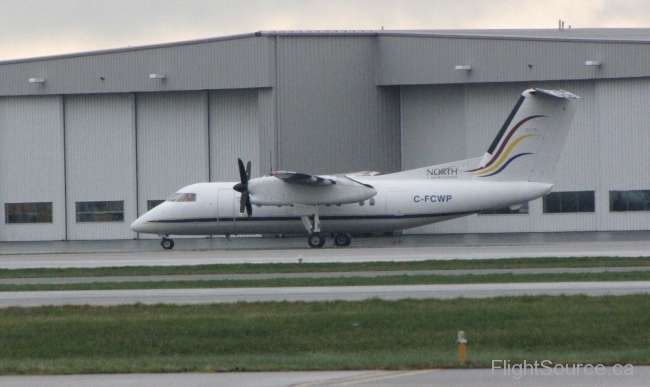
(329, 107)
(624, 129)
(172, 133)
(234, 133)
(267, 111)
(432, 125)
(100, 161)
(31, 164)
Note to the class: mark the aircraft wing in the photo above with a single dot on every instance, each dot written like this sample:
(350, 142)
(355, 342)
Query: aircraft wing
(303, 178)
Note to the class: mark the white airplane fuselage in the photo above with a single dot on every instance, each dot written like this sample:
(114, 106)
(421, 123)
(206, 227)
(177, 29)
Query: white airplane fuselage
(517, 167)
(398, 205)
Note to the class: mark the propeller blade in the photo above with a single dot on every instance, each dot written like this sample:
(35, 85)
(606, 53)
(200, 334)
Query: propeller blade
(243, 176)
(243, 201)
(249, 208)
(242, 186)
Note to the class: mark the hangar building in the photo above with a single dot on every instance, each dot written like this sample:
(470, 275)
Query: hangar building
(90, 141)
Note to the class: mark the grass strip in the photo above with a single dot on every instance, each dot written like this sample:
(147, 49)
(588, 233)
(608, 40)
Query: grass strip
(371, 334)
(505, 263)
(341, 281)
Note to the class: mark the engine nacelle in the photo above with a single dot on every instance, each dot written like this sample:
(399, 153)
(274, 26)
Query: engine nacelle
(271, 191)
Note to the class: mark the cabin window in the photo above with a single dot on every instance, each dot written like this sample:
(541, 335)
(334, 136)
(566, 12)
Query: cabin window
(634, 200)
(506, 210)
(109, 211)
(570, 201)
(40, 212)
(361, 203)
(151, 204)
(175, 196)
(371, 201)
(187, 197)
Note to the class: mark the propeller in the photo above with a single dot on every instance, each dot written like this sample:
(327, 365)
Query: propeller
(242, 187)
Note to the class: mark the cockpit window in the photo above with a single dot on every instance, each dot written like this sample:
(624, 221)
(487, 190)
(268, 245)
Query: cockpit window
(175, 196)
(187, 197)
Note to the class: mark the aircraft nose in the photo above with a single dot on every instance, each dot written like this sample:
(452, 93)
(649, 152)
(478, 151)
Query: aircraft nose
(139, 225)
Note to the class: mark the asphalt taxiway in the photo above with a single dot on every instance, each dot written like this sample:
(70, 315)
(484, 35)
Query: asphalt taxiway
(19, 255)
(414, 378)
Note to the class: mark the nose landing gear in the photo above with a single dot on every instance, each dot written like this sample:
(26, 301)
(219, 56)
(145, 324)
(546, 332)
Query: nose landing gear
(167, 243)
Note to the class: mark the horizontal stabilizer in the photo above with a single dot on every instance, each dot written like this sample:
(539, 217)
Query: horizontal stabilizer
(555, 93)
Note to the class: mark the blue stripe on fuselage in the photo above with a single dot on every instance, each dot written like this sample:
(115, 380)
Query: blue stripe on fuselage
(292, 218)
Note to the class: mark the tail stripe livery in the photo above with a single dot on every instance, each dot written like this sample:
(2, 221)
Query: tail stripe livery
(542, 118)
(505, 142)
(504, 167)
(506, 124)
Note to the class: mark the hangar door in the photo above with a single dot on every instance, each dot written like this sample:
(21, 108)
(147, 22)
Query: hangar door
(234, 133)
(172, 142)
(31, 169)
(100, 166)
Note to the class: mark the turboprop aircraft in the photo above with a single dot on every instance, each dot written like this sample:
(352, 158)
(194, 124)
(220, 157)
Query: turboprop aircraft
(517, 167)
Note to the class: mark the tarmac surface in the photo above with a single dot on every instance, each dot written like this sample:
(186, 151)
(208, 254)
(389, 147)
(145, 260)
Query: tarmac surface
(416, 378)
(17, 255)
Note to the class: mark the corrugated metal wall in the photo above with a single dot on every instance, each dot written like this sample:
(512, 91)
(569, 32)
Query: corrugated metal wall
(172, 143)
(100, 161)
(426, 60)
(221, 64)
(234, 133)
(330, 119)
(31, 163)
(605, 149)
(624, 134)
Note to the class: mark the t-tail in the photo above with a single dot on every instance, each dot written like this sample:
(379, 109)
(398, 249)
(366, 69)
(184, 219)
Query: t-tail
(529, 143)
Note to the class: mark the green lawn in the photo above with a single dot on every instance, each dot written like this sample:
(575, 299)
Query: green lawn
(506, 263)
(372, 334)
(342, 281)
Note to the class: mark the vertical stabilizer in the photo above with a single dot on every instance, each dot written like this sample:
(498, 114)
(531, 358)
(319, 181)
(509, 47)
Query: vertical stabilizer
(530, 141)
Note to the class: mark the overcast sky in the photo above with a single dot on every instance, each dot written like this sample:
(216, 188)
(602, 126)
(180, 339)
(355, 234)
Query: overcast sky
(30, 28)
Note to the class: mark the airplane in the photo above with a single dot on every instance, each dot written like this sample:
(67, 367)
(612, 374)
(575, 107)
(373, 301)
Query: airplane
(517, 167)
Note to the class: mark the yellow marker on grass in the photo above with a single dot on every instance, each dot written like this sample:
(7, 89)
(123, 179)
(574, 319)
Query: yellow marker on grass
(462, 347)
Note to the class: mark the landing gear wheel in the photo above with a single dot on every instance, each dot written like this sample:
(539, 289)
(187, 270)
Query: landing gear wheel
(167, 243)
(316, 240)
(342, 239)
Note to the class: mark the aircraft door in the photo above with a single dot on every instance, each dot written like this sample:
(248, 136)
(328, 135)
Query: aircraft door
(226, 204)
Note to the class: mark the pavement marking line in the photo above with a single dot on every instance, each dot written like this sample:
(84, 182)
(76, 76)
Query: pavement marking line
(370, 378)
(321, 382)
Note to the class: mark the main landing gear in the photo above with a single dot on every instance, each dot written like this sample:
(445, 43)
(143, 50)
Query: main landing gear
(312, 224)
(342, 239)
(167, 243)
(316, 240)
